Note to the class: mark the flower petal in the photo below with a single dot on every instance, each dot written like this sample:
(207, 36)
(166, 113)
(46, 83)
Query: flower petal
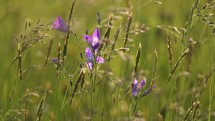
(95, 45)
(134, 87)
(142, 83)
(89, 54)
(88, 38)
(96, 39)
(99, 59)
(96, 34)
(90, 65)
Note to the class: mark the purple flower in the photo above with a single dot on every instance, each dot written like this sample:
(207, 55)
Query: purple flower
(136, 88)
(56, 61)
(90, 58)
(59, 24)
(94, 41)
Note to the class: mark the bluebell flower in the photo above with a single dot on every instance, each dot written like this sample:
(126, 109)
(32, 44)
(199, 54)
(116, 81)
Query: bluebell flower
(136, 88)
(59, 24)
(94, 41)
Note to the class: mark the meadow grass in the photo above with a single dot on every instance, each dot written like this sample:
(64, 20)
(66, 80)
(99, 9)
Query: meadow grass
(158, 60)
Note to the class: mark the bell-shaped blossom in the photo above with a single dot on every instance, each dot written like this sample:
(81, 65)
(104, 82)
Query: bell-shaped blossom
(94, 41)
(59, 24)
(137, 87)
(90, 58)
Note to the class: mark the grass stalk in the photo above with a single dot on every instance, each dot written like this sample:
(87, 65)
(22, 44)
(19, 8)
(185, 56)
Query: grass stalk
(49, 51)
(79, 79)
(169, 47)
(155, 68)
(59, 59)
(20, 61)
(68, 32)
(177, 64)
(127, 30)
(40, 108)
(137, 59)
(115, 38)
(189, 23)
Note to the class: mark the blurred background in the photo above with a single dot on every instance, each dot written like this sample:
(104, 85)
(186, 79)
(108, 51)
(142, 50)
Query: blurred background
(166, 17)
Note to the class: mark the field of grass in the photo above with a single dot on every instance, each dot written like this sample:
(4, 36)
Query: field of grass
(167, 45)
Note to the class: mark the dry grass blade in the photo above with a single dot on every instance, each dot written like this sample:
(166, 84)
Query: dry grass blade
(188, 24)
(29, 40)
(177, 32)
(177, 63)
(79, 79)
(59, 59)
(191, 46)
(122, 49)
(152, 86)
(82, 80)
(127, 30)
(68, 32)
(139, 28)
(208, 5)
(169, 47)
(20, 61)
(206, 19)
(203, 82)
(137, 59)
(40, 108)
(115, 38)
(107, 33)
(49, 51)
(155, 68)
(11, 64)
(191, 110)
(27, 24)
(32, 67)
(98, 18)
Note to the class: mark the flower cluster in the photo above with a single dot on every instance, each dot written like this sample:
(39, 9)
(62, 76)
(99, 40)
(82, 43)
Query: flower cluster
(92, 56)
(136, 88)
(92, 52)
(94, 41)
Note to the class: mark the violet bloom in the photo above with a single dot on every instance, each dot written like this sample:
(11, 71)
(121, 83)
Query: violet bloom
(56, 61)
(90, 58)
(136, 88)
(59, 24)
(94, 41)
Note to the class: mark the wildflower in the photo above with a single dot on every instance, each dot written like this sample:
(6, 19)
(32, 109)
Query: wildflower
(94, 41)
(59, 24)
(136, 88)
(90, 58)
(56, 61)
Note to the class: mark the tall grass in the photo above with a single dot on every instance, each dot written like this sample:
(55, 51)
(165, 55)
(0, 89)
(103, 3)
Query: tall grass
(158, 61)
